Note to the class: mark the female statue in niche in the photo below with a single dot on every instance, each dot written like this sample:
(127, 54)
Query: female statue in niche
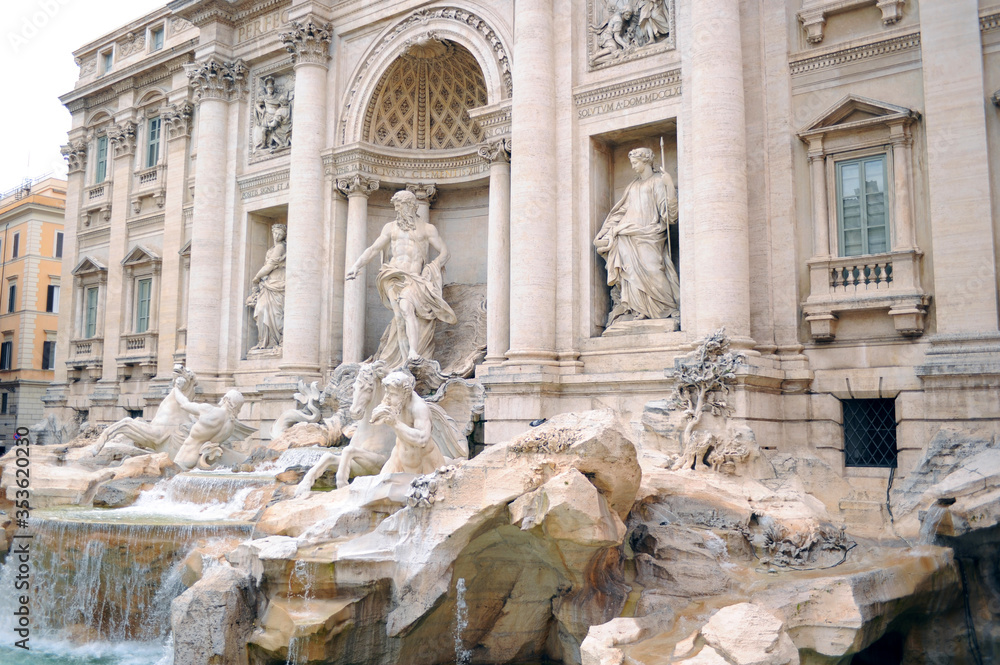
(267, 295)
(633, 241)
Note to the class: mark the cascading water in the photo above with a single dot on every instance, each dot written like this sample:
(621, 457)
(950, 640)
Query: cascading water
(462, 655)
(104, 578)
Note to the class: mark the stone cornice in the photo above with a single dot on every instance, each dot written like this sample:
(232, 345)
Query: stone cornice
(990, 21)
(264, 183)
(494, 119)
(628, 94)
(406, 166)
(873, 49)
(308, 42)
(135, 76)
(214, 78)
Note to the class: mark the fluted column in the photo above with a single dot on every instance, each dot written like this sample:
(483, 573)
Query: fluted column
(357, 190)
(720, 215)
(821, 215)
(75, 153)
(533, 185)
(497, 153)
(309, 44)
(215, 82)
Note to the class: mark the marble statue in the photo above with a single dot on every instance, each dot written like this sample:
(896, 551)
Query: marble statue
(214, 425)
(408, 283)
(272, 118)
(165, 431)
(311, 398)
(267, 295)
(452, 408)
(406, 413)
(634, 242)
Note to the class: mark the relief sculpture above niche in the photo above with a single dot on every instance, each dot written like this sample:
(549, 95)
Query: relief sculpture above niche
(271, 123)
(625, 30)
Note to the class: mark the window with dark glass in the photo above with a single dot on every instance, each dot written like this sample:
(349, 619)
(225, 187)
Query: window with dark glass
(861, 206)
(52, 299)
(6, 354)
(57, 250)
(15, 248)
(870, 432)
(48, 355)
(101, 162)
(90, 316)
(153, 142)
(11, 297)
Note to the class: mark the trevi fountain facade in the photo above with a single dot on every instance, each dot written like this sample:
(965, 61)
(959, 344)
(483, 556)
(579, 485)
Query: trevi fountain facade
(580, 331)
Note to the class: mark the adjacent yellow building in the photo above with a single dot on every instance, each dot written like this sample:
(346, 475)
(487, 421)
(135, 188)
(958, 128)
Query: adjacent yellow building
(31, 247)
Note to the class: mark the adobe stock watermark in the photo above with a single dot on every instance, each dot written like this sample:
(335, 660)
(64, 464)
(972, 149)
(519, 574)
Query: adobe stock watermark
(36, 18)
(20, 550)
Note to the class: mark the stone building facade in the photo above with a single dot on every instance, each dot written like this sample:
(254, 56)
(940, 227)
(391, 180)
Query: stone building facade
(199, 127)
(31, 247)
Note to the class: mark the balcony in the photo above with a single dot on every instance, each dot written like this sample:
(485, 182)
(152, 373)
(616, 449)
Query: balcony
(150, 182)
(888, 281)
(98, 197)
(85, 358)
(137, 350)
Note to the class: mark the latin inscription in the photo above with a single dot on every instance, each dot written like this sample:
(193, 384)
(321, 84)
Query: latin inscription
(261, 26)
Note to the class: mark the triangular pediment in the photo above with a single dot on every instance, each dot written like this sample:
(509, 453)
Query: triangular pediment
(855, 111)
(140, 255)
(186, 250)
(88, 265)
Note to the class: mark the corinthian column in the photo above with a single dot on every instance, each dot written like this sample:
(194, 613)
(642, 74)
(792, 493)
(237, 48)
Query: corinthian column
(309, 44)
(214, 82)
(533, 186)
(497, 153)
(357, 190)
(720, 217)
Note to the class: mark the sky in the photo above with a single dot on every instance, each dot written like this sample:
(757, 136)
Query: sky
(37, 40)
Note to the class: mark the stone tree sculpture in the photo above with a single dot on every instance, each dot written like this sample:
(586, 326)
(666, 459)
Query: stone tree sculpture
(408, 283)
(634, 243)
(267, 296)
(703, 384)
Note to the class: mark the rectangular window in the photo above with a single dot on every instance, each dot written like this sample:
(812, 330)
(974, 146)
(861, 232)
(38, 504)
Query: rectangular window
(862, 212)
(144, 289)
(48, 355)
(870, 432)
(134, 413)
(57, 250)
(153, 142)
(15, 248)
(3, 402)
(52, 299)
(6, 354)
(90, 317)
(107, 61)
(101, 170)
(156, 39)
(12, 297)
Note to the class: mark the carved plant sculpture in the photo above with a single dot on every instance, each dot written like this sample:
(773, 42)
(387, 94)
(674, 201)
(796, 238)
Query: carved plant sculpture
(703, 383)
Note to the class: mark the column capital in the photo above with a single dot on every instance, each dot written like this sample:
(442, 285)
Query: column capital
(177, 118)
(123, 138)
(357, 185)
(75, 153)
(496, 150)
(215, 78)
(308, 42)
(424, 193)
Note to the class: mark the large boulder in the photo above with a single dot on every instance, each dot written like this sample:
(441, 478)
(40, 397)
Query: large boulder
(212, 620)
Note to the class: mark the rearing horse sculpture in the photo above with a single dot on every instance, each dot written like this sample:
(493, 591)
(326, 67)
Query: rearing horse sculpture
(371, 444)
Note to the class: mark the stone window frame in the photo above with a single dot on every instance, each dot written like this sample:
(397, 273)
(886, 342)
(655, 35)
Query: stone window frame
(150, 39)
(140, 263)
(106, 61)
(837, 227)
(11, 295)
(89, 273)
(889, 280)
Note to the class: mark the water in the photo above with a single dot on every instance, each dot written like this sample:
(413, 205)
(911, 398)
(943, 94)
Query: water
(462, 655)
(294, 457)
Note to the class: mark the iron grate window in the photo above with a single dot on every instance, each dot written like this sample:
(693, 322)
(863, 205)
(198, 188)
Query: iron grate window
(870, 432)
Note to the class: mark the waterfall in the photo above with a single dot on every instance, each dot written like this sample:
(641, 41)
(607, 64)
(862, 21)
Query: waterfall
(462, 655)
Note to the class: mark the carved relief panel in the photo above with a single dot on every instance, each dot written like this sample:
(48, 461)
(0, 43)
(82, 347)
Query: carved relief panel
(626, 30)
(271, 97)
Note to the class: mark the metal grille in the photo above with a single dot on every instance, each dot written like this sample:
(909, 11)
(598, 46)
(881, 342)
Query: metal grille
(870, 432)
